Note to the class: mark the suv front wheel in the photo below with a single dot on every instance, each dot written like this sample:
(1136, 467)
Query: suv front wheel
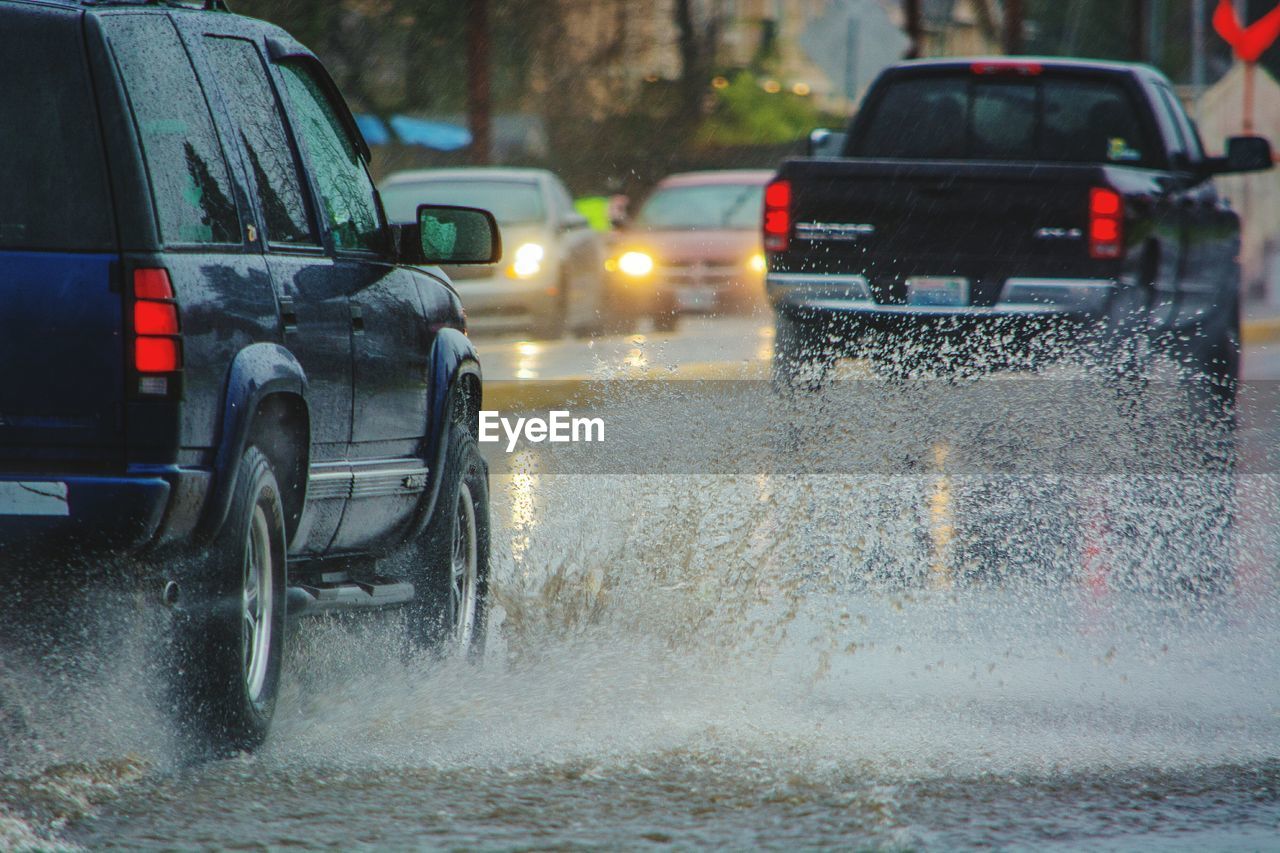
(450, 569)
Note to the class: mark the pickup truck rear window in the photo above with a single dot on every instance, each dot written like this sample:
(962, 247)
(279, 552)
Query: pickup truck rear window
(52, 167)
(1063, 119)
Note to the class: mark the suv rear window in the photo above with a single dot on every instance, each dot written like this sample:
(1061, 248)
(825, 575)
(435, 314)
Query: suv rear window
(189, 177)
(51, 162)
(1058, 119)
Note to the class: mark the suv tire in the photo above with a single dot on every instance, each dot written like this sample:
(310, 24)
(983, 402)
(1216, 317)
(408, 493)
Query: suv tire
(450, 571)
(229, 626)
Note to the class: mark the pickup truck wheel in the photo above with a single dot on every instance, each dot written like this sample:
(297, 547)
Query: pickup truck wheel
(229, 625)
(451, 567)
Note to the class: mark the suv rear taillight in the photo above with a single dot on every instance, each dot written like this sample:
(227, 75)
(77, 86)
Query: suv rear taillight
(157, 340)
(1106, 224)
(777, 216)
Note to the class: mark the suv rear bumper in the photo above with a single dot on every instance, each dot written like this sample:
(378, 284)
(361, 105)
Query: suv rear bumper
(85, 515)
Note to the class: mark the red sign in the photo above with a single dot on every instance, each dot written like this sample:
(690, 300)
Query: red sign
(1250, 42)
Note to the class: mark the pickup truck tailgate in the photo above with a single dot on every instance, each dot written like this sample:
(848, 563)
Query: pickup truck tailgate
(946, 217)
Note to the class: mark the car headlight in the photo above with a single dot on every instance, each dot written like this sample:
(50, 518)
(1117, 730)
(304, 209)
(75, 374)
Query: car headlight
(756, 263)
(636, 264)
(528, 261)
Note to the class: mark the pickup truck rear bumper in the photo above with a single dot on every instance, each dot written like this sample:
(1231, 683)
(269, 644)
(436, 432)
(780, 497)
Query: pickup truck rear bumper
(1020, 299)
(86, 515)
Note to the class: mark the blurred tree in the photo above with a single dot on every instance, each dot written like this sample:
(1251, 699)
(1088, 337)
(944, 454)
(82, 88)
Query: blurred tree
(745, 114)
(622, 89)
(479, 82)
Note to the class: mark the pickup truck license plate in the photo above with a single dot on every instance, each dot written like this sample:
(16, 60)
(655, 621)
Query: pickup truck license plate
(938, 292)
(33, 498)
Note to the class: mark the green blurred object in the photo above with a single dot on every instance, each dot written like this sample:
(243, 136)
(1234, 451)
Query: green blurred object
(596, 209)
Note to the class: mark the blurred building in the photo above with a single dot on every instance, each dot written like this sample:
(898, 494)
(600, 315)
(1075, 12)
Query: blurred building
(1220, 114)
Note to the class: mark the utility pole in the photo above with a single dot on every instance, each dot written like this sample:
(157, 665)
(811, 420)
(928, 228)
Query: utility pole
(851, 59)
(1013, 18)
(1155, 32)
(479, 120)
(914, 27)
(1138, 30)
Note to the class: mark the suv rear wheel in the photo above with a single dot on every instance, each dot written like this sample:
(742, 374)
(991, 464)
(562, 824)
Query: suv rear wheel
(229, 627)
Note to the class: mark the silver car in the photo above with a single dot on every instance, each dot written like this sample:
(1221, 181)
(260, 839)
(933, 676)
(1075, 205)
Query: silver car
(551, 278)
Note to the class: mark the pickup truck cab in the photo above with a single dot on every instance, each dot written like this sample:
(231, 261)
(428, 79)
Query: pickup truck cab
(225, 372)
(1021, 197)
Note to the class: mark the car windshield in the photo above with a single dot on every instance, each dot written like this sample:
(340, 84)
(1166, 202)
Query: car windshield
(510, 202)
(732, 206)
(1056, 119)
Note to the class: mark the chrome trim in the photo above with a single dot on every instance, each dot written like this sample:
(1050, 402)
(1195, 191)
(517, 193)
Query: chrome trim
(1075, 294)
(1030, 296)
(328, 485)
(849, 286)
(366, 479)
(836, 231)
(385, 483)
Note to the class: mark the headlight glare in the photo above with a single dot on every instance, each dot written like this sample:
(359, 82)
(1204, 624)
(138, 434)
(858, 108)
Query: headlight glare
(636, 264)
(528, 261)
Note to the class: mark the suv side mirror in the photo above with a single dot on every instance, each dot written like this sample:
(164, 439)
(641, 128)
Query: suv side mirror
(1245, 154)
(826, 143)
(445, 234)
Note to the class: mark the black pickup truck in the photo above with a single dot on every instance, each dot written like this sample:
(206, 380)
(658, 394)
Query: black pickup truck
(974, 196)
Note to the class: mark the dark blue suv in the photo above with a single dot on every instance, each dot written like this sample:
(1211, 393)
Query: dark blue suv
(221, 363)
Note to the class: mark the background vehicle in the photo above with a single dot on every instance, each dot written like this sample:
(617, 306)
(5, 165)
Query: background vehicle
(226, 368)
(553, 279)
(1016, 195)
(694, 245)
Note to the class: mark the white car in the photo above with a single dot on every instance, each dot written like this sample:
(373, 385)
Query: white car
(551, 278)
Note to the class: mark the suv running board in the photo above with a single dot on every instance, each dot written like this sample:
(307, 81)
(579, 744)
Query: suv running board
(324, 595)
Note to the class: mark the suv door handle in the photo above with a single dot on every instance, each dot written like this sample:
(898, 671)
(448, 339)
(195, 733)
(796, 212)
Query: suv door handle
(357, 318)
(288, 314)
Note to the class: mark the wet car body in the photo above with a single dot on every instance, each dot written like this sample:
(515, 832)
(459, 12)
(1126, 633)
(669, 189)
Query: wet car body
(553, 278)
(701, 231)
(234, 379)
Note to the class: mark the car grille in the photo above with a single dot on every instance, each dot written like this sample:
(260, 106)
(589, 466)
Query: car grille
(702, 273)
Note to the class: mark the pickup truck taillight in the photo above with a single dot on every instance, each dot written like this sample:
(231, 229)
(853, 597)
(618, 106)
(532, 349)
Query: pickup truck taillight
(1106, 224)
(157, 344)
(1007, 68)
(777, 216)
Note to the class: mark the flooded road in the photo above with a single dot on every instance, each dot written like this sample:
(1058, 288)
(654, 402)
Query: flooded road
(931, 656)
